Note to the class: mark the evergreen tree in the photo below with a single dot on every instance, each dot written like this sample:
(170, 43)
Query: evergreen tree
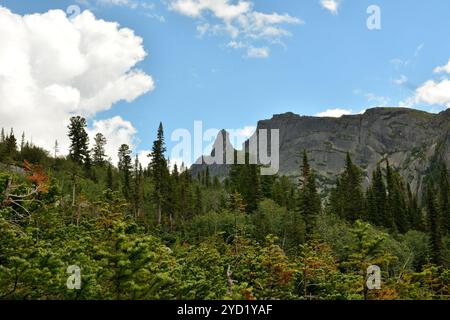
(159, 172)
(137, 191)
(98, 152)
(309, 205)
(414, 211)
(245, 180)
(125, 168)
(347, 198)
(434, 224)
(79, 140)
(22, 142)
(11, 144)
(396, 203)
(444, 197)
(376, 199)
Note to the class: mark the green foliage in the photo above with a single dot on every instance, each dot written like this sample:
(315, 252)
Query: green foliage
(152, 233)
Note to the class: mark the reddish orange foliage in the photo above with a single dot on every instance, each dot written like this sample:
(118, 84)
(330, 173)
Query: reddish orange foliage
(37, 176)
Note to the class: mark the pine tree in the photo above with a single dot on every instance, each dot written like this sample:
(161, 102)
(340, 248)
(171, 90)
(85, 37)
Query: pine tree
(11, 144)
(444, 197)
(137, 191)
(434, 224)
(98, 152)
(347, 198)
(245, 179)
(309, 205)
(376, 199)
(414, 211)
(396, 204)
(79, 140)
(159, 172)
(22, 142)
(125, 168)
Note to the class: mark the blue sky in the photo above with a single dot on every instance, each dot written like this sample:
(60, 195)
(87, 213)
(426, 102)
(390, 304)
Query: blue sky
(323, 60)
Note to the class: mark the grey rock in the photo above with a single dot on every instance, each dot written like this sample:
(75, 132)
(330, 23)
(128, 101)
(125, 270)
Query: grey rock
(408, 138)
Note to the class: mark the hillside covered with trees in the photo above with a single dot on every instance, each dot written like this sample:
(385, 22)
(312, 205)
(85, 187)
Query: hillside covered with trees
(154, 233)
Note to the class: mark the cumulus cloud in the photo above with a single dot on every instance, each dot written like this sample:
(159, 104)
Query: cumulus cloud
(334, 113)
(238, 21)
(441, 69)
(53, 67)
(331, 5)
(433, 93)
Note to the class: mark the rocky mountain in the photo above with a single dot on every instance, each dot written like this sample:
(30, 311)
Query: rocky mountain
(408, 138)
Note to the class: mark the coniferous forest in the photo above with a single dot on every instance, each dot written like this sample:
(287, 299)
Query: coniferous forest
(152, 232)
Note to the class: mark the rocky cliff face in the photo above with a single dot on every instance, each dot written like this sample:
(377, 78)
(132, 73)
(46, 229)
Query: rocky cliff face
(409, 138)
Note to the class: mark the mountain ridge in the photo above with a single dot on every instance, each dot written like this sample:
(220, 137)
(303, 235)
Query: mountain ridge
(409, 138)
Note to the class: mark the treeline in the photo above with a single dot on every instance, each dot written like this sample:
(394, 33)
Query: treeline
(158, 232)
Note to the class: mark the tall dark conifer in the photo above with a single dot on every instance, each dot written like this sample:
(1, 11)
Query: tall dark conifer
(434, 224)
(309, 204)
(125, 168)
(79, 140)
(159, 172)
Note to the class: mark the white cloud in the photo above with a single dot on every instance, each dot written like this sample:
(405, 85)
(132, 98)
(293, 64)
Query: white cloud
(143, 157)
(433, 93)
(253, 52)
(441, 69)
(52, 67)
(239, 21)
(331, 5)
(334, 113)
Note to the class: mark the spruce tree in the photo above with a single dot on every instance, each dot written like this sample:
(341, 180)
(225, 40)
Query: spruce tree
(434, 224)
(125, 168)
(159, 172)
(347, 198)
(396, 203)
(11, 144)
(414, 211)
(376, 199)
(309, 205)
(98, 152)
(79, 140)
(137, 190)
(444, 197)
